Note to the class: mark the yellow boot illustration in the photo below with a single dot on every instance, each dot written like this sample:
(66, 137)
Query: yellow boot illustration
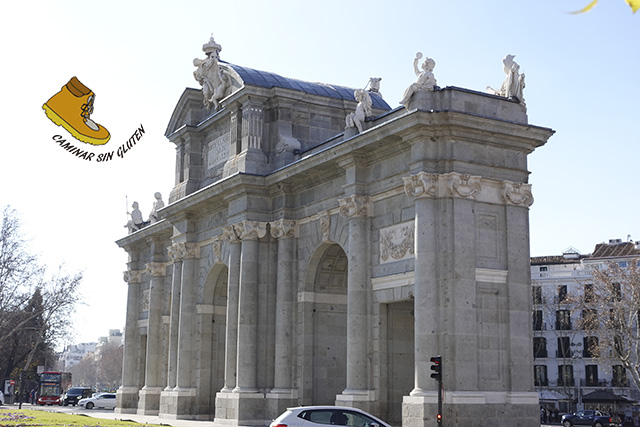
(71, 108)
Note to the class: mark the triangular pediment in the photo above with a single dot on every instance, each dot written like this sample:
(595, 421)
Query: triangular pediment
(189, 111)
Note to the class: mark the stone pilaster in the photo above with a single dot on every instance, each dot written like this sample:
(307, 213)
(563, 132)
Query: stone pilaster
(252, 158)
(231, 347)
(127, 394)
(149, 403)
(283, 395)
(358, 393)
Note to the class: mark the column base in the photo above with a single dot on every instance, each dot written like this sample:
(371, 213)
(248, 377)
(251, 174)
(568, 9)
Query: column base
(367, 400)
(478, 408)
(278, 400)
(149, 401)
(241, 409)
(126, 400)
(177, 404)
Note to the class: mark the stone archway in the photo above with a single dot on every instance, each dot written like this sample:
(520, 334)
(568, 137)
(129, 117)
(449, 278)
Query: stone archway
(212, 315)
(329, 314)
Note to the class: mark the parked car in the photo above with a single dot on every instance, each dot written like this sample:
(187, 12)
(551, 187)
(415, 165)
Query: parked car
(590, 418)
(74, 394)
(99, 400)
(321, 416)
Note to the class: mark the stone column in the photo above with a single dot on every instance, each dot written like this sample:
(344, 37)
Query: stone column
(252, 159)
(249, 232)
(231, 345)
(149, 403)
(176, 284)
(283, 395)
(186, 341)
(356, 208)
(127, 395)
(423, 187)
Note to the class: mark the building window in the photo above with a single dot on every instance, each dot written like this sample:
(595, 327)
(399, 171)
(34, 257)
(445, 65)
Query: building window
(537, 320)
(590, 347)
(539, 347)
(591, 375)
(540, 375)
(564, 347)
(562, 294)
(589, 316)
(544, 268)
(537, 294)
(616, 292)
(563, 320)
(619, 377)
(565, 375)
(588, 293)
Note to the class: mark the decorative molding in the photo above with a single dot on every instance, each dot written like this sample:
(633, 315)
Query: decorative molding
(517, 193)
(393, 281)
(250, 230)
(355, 206)
(229, 234)
(155, 269)
(216, 245)
(284, 228)
(145, 304)
(490, 275)
(133, 276)
(397, 242)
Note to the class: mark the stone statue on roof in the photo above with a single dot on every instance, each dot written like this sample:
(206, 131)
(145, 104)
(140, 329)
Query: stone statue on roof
(157, 205)
(513, 84)
(426, 79)
(211, 77)
(363, 110)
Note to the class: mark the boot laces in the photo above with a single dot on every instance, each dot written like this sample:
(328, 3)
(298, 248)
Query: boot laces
(87, 109)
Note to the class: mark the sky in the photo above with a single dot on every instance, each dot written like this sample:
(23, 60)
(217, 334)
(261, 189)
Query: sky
(137, 57)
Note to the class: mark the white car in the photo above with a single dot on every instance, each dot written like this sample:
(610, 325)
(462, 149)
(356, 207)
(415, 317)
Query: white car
(322, 416)
(99, 400)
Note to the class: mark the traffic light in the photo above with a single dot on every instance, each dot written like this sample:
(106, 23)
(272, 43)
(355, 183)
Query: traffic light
(436, 368)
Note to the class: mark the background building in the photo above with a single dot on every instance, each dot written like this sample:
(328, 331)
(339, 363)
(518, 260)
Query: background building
(73, 354)
(565, 370)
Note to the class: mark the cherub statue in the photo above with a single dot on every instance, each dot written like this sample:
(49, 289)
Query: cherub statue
(136, 222)
(157, 205)
(513, 84)
(214, 82)
(426, 79)
(363, 109)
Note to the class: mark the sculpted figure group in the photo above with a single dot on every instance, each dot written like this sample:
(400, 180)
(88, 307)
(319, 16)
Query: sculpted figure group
(137, 222)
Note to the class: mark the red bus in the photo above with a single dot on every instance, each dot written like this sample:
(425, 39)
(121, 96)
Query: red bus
(52, 387)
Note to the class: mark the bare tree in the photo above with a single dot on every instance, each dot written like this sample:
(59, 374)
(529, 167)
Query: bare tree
(110, 366)
(610, 307)
(33, 305)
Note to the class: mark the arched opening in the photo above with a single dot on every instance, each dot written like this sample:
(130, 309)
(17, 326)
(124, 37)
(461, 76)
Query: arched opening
(212, 319)
(329, 314)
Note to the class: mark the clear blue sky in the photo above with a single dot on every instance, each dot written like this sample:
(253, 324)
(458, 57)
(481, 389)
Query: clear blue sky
(581, 80)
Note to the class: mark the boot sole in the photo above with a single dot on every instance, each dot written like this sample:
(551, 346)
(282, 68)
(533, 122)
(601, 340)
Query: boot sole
(77, 135)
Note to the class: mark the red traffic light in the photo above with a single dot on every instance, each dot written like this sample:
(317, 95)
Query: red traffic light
(436, 368)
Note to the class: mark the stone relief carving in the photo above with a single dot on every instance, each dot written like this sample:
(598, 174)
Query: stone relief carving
(397, 242)
(464, 185)
(155, 269)
(513, 85)
(229, 234)
(325, 225)
(217, 248)
(211, 76)
(363, 110)
(284, 228)
(144, 306)
(133, 276)
(182, 250)
(354, 206)
(518, 193)
(426, 79)
(250, 230)
(421, 184)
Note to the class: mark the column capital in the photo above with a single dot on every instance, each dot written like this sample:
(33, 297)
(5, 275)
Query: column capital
(155, 269)
(181, 250)
(355, 206)
(250, 230)
(517, 193)
(133, 276)
(284, 228)
(421, 184)
(229, 234)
